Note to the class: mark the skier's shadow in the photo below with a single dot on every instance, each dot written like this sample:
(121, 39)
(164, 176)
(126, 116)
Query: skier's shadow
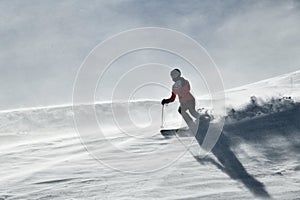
(228, 162)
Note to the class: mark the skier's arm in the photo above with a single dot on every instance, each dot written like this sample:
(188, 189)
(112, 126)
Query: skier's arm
(169, 100)
(172, 98)
(187, 86)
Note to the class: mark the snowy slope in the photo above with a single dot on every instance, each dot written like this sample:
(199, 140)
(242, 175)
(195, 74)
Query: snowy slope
(284, 85)
(42, 156)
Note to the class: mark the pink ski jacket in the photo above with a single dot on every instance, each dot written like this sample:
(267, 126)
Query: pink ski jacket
(181, 88)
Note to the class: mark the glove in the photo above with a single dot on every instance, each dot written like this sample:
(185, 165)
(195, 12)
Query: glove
(164, 101)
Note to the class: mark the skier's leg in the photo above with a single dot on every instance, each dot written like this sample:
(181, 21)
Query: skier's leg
(194, 113)
(182, 110)
(192, 110)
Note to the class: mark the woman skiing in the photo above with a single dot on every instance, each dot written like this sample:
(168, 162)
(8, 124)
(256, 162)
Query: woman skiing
(181, 87)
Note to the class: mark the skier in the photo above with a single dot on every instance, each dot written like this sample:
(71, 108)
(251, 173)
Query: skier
(181, 87)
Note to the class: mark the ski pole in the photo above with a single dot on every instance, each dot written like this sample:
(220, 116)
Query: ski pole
(162, 116)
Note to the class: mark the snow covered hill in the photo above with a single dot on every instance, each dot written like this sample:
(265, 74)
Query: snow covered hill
(42, 156)
(284, 85)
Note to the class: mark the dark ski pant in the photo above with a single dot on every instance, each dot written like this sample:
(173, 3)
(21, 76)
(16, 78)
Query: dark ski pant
(188, 106)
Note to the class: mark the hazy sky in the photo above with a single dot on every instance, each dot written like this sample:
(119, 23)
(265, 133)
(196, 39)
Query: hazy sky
(43, 43)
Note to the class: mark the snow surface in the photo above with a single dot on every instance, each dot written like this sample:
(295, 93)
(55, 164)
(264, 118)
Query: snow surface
(42, 156)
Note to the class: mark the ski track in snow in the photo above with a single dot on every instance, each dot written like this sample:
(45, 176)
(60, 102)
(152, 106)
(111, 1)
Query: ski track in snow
(42, 157)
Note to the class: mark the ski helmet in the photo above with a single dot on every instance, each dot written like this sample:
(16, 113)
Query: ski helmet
(175, 73)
